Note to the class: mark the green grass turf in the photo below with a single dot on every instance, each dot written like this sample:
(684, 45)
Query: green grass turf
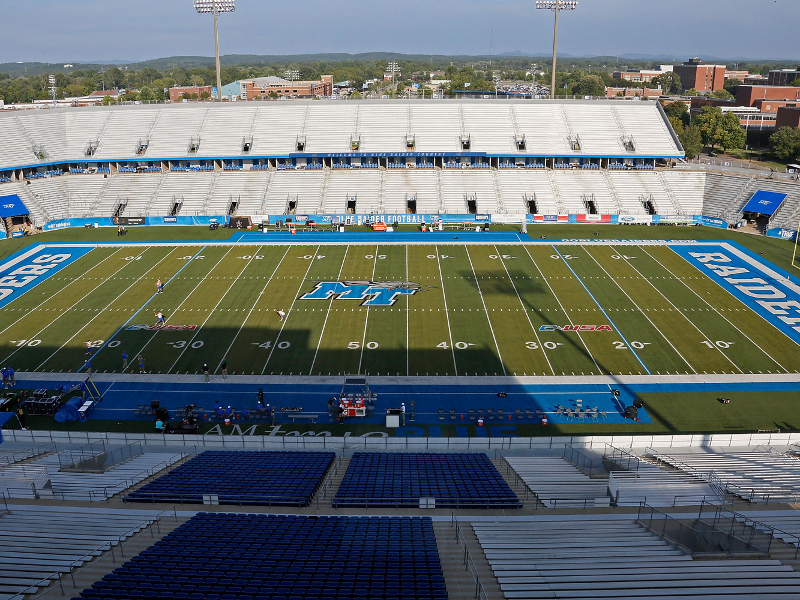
(479, 311)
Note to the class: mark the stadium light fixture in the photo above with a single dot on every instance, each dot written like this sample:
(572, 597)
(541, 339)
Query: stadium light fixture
(556, 6)
(215, 7)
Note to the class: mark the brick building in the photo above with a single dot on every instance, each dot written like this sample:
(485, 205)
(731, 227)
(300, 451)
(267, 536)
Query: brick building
(269, 87)
(175, 93)
(620, 92)
(746, 95)
(783, 76)
(639, 76)
(703, 78)
(788, 116)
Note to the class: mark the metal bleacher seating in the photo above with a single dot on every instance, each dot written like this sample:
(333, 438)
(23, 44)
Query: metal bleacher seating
(451, 480)
(587, 558)
(280, 557)
(756, 476)
(37, 545)
(558, 483)
(255, 478)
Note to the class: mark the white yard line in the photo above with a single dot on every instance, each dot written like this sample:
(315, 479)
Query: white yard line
(715, 310)
(408, 319)
(366, 321)
(202, 279)
(566, 314)
(446, 311)
(488, 320)
(289, 312)
(661, 333)
(107, 306)
(328, 313)
(680, 312)
(252, 308)
(50, 298)
(211, 312)
(525, 310)
(68, 310)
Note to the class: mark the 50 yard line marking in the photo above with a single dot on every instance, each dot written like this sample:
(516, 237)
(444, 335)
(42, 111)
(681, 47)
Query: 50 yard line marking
(49, 299)
(252, 308)
(211, 312)
(107, 305)
(366, 321)
(202, 279)
(446, 312)
(713, 308)
(328, 313)
(289, 312)
(522, 304)
(89, 293)
(488, 320)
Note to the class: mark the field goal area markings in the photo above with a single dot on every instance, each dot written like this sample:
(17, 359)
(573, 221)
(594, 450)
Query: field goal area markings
(525, 310)
(250, 312)
(50, 298)
(211, 312)
(328, 312)
(653, 325)
(603, 311)
(67, 310)
(566, 314)
(713, 307)
(650, 283)
(106, 307)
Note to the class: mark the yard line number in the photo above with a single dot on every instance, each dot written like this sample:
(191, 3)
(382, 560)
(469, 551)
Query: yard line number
(637, 345)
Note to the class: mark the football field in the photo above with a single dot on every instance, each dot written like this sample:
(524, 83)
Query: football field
(564, 309)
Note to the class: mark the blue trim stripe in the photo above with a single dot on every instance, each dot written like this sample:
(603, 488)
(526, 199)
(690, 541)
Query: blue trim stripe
(617, 329)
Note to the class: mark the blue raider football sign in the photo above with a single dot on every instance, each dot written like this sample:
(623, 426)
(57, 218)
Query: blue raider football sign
(371, 293)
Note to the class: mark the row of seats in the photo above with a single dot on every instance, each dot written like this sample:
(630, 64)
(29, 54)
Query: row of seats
(255, 478)
(196, 562)
(403, 479)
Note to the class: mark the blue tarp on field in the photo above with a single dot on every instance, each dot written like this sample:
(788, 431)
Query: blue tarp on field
(765, 203)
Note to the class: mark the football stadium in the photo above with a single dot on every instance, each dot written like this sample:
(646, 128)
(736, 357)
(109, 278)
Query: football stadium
(393, 350)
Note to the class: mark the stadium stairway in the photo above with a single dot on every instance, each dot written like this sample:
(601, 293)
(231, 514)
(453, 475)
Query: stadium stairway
(515, 483)
(330, 485)
(460, 583)
(104, 564)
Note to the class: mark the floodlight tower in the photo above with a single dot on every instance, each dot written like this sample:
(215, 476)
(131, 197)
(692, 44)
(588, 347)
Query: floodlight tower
(215, 6)
(555, 6)
(52, 81)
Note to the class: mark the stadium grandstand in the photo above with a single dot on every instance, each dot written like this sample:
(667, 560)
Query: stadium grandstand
(611, 158)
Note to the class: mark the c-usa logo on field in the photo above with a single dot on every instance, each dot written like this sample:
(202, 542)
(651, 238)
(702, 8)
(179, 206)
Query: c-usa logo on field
(371, 293)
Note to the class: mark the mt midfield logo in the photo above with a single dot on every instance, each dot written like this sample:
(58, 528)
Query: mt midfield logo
(371, 293)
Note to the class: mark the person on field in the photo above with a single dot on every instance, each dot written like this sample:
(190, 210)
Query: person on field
(224, 367)
(141, 364)
(4, 372)
(89, 347)
(281, 314)
(12, 380)
(159, 318)
(159, 287)
(124, 360)
(205, 372)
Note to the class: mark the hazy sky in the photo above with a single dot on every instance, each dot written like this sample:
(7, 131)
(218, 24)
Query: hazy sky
(85, 30)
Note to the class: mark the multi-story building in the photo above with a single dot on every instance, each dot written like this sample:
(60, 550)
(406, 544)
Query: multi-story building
(746, 95)
(270, 87)
(703, 78)
(783, 76)
(178, 92)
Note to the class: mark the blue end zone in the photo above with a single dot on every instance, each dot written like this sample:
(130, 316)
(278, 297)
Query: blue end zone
(24, 270)
(768, 291)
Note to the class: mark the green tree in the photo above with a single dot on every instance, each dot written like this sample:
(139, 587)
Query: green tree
(722, 94)
(691, 141)
(670, 83)
(107, 100)
(146, 95)
(588, 85)
(204, 95)
(785, 143)
(356, 95)
(691, 92)
(678, 110)
(796, 82)
(732, 83)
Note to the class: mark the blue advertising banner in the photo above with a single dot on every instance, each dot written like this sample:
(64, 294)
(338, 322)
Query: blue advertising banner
(710, 222)
(770, 294)
(784, 234)
(765, 203)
